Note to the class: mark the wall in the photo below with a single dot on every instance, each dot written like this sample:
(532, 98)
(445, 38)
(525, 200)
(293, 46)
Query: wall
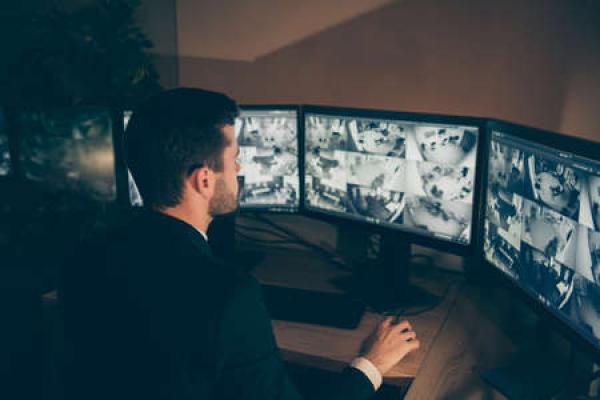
(158, 19)
(527, 61)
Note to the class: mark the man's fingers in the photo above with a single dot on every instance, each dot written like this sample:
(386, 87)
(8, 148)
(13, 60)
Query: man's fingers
(387, 322)
(408, 336)
(403, 326)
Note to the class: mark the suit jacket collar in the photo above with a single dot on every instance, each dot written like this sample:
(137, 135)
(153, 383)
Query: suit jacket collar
(179, 228)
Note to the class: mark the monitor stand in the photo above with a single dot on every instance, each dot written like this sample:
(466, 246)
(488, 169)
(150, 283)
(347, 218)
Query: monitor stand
(383, 279)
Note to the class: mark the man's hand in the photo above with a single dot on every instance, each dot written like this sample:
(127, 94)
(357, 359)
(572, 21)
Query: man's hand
(389, 343)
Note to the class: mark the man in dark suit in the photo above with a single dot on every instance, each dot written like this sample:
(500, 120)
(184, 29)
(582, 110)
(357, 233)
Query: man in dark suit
(151, 314)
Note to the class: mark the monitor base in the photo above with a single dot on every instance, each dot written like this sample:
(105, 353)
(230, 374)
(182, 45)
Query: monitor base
(390, 297)
(532, 374)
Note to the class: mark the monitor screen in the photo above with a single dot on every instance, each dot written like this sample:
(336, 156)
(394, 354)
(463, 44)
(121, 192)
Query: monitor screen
(69, 149)
(407, 175)
(269, 177)
(135, 198)
(542, 226)
(4, 150)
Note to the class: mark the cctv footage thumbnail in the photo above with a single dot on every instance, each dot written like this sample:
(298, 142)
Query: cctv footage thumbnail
(542, 226)
(269, 177)
(412, 176)
(69, 150)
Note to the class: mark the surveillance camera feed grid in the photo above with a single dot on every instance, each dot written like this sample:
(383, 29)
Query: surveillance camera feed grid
(135, 198)
(411, 176)
(542, 227)
(4, 151)
(70, 150)
(269, 177)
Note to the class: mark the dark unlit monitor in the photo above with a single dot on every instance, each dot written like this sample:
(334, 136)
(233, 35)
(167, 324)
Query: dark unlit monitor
(69, 150)
(408, 175)
(542, 226)
(269, 177)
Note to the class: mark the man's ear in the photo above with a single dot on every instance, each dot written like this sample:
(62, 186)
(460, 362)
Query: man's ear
(202, 181)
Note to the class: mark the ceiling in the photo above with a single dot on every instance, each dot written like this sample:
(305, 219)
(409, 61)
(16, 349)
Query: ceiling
(244, 30)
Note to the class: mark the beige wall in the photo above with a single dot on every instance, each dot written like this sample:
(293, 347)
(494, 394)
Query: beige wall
(530, 61)
(159, 22)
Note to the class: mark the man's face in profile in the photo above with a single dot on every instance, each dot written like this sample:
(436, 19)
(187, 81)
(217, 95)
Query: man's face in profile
(225, 197)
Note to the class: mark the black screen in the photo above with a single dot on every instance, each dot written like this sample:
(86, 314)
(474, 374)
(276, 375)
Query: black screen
(269, 177)
(412, 176)
(542, 226)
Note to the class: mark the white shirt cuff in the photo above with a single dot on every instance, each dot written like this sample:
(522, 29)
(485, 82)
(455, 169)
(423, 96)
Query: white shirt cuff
(367, 368)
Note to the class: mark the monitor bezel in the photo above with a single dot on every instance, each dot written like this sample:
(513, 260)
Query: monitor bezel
(413, 237)
(561, 142)
(300, 142)
(121, 167)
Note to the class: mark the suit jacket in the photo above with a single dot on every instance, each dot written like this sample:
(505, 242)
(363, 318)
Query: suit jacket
(151, 314)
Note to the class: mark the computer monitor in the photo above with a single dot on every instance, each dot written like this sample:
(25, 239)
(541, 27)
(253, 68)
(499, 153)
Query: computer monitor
(70, 150)
(135, 198)
(269, 141)
(5, 162)
(542, 222)
(414, 174)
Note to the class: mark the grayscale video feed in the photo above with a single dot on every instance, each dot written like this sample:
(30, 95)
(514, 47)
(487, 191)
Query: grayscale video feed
(386, 138)
(440, 178)
(506, 168)
(588, 254)
(550, 232)
(541, 226)
(450, 220)
(70, 150)
(593, 190)
(499, 250)
(440, 182)
(135, 198)
(326, 196)
(376, 170)
(550, 280)
(375, 186)
(447, 145)
(584, 308)
(504, 211)
(269, 176)
(4, 149)
(553, 184)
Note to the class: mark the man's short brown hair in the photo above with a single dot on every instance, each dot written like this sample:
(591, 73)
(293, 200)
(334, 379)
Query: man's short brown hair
(171, 134)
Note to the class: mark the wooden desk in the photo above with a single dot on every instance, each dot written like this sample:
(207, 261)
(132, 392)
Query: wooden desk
(333, 348)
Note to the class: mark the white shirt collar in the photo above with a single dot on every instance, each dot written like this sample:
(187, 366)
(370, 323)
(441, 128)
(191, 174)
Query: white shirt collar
(204, 235)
